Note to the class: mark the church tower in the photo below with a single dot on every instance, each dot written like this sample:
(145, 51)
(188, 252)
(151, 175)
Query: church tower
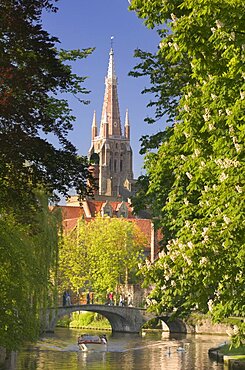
(110, 151)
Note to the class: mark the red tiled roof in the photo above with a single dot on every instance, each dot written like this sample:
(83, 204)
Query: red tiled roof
(69, 212)
(71, 215)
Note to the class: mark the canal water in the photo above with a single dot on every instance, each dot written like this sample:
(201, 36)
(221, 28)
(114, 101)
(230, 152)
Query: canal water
(147, 351)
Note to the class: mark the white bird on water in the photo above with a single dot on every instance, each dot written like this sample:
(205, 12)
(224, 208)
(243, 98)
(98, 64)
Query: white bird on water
(183, 348)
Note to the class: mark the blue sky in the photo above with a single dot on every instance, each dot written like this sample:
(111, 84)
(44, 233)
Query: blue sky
(91, 23)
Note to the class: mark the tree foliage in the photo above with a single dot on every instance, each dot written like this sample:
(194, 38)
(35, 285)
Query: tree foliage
(28, 269)
(33, 76)
(194, 179)
(100, 254)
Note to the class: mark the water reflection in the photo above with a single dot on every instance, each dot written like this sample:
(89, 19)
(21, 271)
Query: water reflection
(153, 350)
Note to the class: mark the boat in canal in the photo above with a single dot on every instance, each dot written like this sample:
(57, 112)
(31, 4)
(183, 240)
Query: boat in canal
(88, 342)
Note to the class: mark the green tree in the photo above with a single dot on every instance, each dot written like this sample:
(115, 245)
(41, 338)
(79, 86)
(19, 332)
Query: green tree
(100, 254)
(194, 179)
(28, 269)
(33, 76)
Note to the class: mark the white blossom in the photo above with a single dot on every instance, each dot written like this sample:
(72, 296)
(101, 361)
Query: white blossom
(219, 24)
(242, 94)
(203, 260)
(228, 112)
(237, 147)
(176, 46)
(183, 157)
(196, 152)
(193, 230)
(186, 134)
(211, 126)
(213, 96)
(205, 238)
(187, 259)
(223, 177)
(190, 245)
(206, 116)
(204, 231)
(227, 163)
(186, 108)
(189, 175)
(226, 219)
(213, 29)
(186, 201)
(173, 17)
(238, 189)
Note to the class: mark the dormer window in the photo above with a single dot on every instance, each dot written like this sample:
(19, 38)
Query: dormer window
(122, 210)
(106, 210)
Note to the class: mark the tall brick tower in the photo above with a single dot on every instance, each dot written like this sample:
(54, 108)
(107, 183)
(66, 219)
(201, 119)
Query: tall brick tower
(110, 151)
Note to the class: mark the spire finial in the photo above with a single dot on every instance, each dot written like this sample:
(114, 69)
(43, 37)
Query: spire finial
(112, 37)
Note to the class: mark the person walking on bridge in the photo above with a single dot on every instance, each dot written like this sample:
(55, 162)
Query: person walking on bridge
(88, 298)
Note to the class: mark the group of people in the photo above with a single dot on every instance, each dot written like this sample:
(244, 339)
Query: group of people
(123, 301)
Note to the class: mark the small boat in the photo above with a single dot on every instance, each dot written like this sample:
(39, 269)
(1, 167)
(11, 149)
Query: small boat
(92, 342)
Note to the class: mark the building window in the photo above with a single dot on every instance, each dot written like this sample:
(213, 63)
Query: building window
(121, 165)
(115, 165)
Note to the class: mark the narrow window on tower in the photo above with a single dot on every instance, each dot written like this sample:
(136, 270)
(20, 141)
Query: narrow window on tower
(121, 165)
(110, 165)
(115, 165)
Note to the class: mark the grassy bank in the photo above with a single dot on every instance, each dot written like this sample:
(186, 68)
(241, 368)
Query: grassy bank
(84, 320)
(225, 350)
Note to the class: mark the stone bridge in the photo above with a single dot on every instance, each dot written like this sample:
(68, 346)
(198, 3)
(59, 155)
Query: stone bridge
(122, 319)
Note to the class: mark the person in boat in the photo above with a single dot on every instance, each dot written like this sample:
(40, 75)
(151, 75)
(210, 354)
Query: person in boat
(83, 338)
(103, 339)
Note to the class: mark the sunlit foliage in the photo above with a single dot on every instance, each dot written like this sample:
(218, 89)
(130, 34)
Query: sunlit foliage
(100, 254)
(194, 179)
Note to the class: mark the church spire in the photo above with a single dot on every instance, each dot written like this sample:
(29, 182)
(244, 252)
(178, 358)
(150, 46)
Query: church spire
(111, 148)
(94, 127)
(110, 104)
(127, 126)
(111, 68)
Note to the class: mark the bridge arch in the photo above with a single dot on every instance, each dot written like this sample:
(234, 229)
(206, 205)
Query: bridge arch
(122, 319)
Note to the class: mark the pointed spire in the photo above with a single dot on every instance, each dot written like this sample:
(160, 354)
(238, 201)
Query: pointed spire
(126, 118)
(94, 126)
(127, 126)
(111, 68)
(110, 108)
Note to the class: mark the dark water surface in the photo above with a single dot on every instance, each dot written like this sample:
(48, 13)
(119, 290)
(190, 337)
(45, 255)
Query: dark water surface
(152, 350)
